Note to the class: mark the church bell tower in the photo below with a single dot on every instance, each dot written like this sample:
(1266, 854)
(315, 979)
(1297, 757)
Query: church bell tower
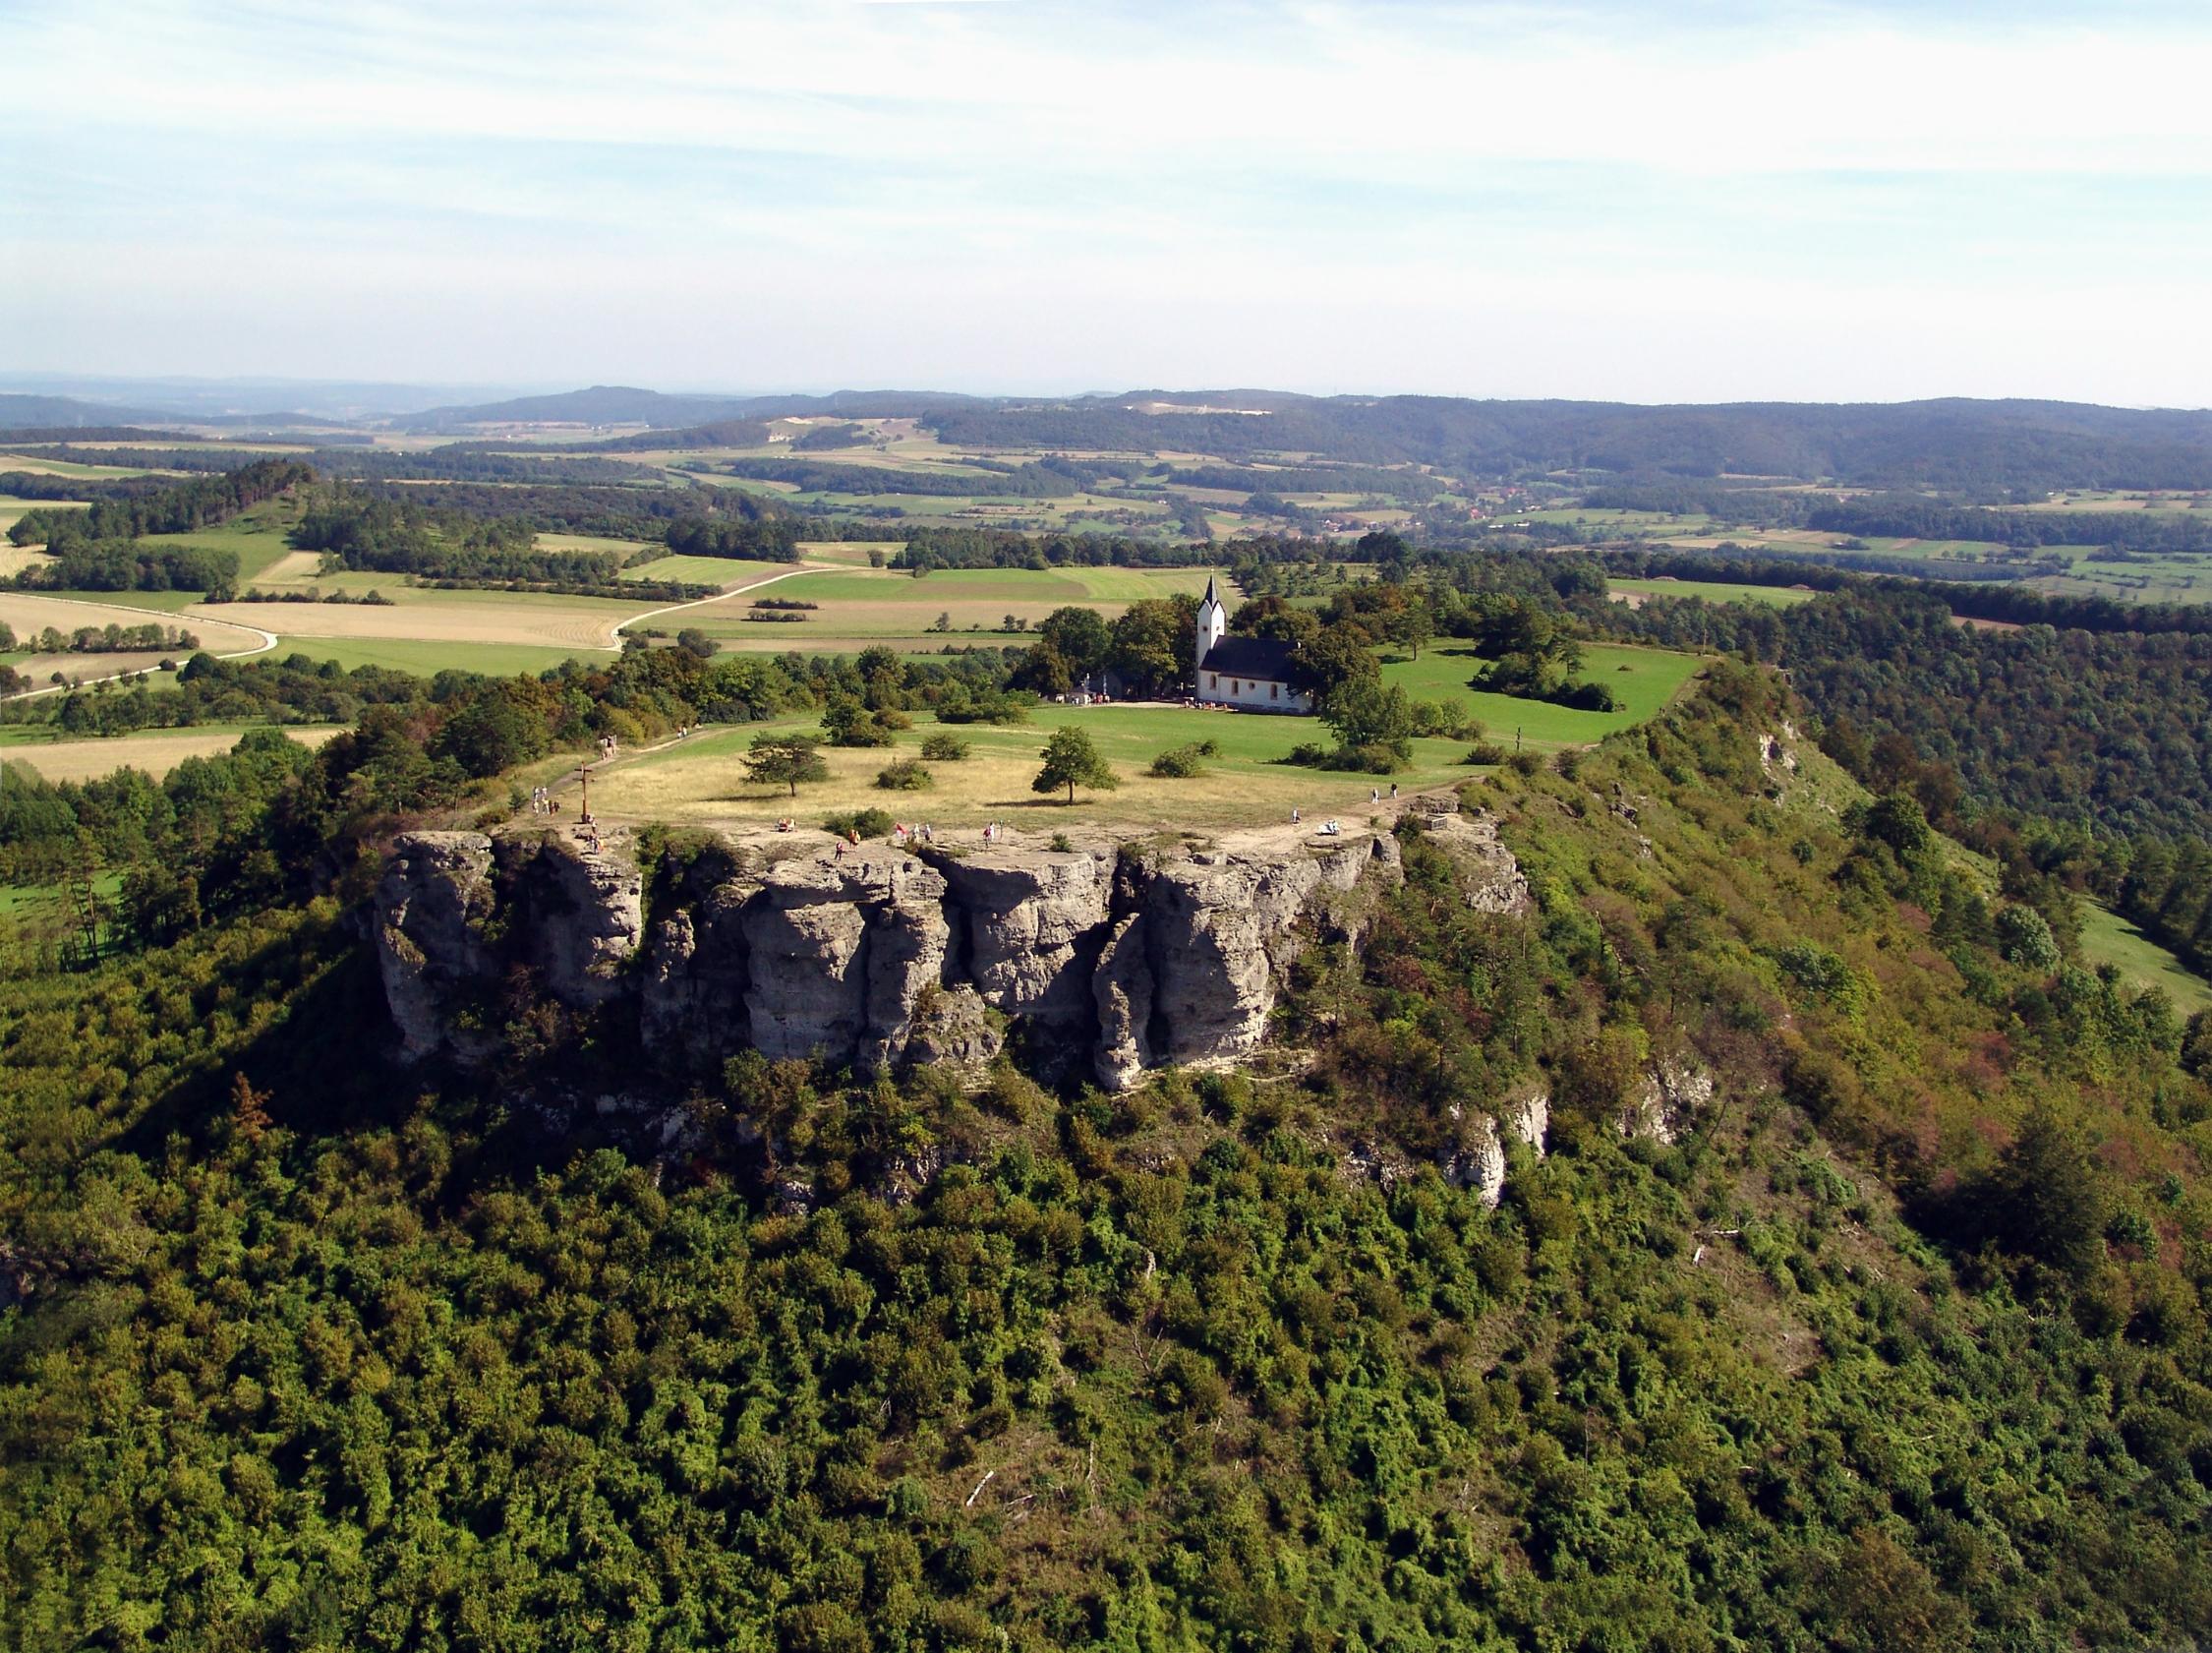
(1213, 620)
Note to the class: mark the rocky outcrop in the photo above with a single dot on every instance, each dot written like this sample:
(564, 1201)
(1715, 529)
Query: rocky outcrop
(1490, 877)
(837, 952)
(1478, 1162)
(1189, 975)
(1526, 1115)
(583, 911)
(1027, 926)
(1105, 958)
(428, 915)
(1666, 1100)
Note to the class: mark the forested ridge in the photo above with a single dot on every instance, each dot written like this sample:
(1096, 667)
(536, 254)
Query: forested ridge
(1901, 1345)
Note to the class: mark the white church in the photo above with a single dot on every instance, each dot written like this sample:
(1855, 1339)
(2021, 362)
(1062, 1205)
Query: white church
(1251, 673)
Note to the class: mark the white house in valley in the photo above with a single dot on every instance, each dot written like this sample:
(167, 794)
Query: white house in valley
(1251, 673)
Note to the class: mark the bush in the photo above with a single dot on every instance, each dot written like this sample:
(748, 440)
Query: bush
(1309, 754)
(1371, 760)
(868, 823)
(1485, 751)
(1446, 719)
(944, 749)
(904, 776)
(2024, 937)
(850, 724)
(1178, 763)
(991, 705)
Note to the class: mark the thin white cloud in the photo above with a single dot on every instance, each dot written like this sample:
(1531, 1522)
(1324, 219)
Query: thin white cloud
(1791, 201)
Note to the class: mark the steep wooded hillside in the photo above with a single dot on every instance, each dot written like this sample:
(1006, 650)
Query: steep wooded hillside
(1854, 1304)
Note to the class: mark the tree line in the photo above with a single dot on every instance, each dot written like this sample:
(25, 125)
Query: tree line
(175, 509)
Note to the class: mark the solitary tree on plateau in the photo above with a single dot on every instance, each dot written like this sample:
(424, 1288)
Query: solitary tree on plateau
(1071, 761)
(785, 759)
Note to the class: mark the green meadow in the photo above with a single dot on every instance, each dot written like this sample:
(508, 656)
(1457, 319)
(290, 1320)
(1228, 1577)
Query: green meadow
(1714, 591)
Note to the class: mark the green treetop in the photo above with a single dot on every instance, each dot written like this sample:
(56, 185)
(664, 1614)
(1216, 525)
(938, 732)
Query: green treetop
(1070, 760)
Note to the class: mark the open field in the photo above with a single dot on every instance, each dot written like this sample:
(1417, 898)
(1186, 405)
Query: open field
(2097, 498)
(871, 604)
(156, 751)
(41, 668)
(294, 567)
(427, 615)
(1634, 592)
(145, 605)
(2108, 938)
(700, 780)
(14, 560)
(13, 510)
(851, 553)
(427, 659)
(724, 572)
(28, 612)
(257, 537)
(1642, 680)
(69, 467)
(587, 542)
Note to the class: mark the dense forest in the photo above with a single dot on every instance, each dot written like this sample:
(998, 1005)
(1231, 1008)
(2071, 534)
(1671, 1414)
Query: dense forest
(2104, 727)
(174, 509)
(1911, 516)
(403, 537)
(1898, 1346)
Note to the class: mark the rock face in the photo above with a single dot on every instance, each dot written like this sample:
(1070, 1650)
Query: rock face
(1189, 977)
(1527, 1118)
(584, 911)
(836, 954)
(1665, 1101)
(1027, 926)
(1479, 1161)
(1489, 878)
(1114, 963)
(430, 908)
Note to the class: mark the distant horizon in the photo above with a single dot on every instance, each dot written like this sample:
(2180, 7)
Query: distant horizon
(30, 382)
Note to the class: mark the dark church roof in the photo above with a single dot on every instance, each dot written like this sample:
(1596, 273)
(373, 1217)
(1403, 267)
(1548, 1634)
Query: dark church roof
(1264, 658)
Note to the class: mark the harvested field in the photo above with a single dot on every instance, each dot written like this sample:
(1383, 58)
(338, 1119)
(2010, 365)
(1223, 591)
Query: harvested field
(14, 560)
(156, 751)
(294, 567)
(860, 606)
(440, 617)
(29, 613)
(90, 668)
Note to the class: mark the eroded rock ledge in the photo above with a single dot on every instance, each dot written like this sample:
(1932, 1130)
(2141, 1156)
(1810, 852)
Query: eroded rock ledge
(1119, 958)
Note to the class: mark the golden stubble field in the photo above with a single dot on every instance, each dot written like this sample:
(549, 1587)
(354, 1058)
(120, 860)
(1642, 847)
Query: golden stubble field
(29, 613)
(439, 616)
(156, 751)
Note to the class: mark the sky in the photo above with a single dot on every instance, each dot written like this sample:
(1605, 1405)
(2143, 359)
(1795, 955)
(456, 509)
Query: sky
(1695, 202)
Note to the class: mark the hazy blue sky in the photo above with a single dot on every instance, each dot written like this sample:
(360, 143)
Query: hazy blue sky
(1809, 202)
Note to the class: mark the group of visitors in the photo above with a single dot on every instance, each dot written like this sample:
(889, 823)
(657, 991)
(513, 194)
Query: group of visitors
(902, 834)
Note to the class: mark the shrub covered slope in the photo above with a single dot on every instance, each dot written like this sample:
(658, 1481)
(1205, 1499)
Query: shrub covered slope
(1899, 1345)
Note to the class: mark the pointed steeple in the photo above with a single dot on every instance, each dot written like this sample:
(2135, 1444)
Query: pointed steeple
(1213, 618)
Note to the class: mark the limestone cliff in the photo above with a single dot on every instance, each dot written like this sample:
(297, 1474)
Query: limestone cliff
(1107, 956)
